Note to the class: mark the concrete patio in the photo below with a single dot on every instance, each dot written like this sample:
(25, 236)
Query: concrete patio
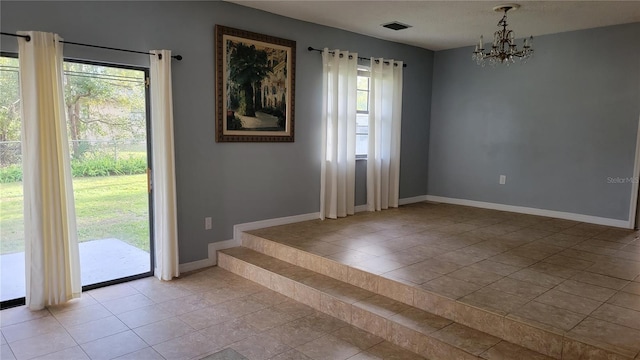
(100, 260)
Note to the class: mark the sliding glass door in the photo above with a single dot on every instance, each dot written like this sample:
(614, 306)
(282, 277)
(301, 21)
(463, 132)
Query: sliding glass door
(109, 147)
(108, 130)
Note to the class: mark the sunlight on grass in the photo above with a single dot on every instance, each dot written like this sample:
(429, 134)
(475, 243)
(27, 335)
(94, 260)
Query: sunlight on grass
(106, 207)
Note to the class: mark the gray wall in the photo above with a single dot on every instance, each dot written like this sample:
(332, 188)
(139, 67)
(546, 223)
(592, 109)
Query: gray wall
(232, 182)
(558, 126)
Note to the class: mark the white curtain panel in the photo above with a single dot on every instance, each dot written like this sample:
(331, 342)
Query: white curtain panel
(338, 167)
(165, 221)
(51, 239)
(385, 114)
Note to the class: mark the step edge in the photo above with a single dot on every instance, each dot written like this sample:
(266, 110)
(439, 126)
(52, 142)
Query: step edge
(392, 288)
(389, 329)
(432, 302)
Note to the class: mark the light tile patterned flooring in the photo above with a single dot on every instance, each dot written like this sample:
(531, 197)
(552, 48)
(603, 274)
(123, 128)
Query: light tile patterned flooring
(569, 277)
(188, 318)
(578, 278)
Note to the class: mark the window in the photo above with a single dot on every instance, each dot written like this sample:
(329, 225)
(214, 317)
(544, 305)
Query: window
(362, 117)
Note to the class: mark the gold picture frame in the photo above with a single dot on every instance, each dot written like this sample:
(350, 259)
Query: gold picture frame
(255, 86)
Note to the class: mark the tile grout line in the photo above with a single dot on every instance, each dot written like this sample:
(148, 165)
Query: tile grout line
(564, 332)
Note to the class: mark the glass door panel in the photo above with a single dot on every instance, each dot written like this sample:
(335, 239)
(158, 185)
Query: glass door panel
(11, 199)
(107, 128)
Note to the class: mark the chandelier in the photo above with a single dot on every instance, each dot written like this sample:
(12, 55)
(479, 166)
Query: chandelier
(504, 49)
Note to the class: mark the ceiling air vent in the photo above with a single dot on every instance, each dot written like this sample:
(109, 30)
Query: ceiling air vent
(396, 26)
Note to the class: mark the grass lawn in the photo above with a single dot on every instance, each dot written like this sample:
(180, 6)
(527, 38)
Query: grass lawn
(106, 207)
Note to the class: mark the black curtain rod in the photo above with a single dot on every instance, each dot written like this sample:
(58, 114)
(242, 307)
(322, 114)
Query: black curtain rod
(28, 38)
(351, 56)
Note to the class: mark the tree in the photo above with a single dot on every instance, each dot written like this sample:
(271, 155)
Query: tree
(247, 67)
(9, 111)
(103, 102)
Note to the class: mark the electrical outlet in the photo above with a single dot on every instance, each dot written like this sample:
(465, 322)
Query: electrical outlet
(207, 223)
(503, 179)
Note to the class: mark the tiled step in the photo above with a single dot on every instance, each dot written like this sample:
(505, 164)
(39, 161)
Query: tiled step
(419, 331)
(531, 335)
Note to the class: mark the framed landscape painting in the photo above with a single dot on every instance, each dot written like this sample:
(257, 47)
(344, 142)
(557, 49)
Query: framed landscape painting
(255, 85)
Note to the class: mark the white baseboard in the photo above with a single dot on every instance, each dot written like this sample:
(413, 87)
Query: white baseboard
(360, 208)
(195, 265)
(212, 256)
(412, 200)
(238, 228)
(532, 211)
(405, 201)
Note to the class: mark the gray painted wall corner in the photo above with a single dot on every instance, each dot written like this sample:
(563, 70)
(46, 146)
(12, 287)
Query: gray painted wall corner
(560, 127)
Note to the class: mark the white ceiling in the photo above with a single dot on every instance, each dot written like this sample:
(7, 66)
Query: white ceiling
(439, 25)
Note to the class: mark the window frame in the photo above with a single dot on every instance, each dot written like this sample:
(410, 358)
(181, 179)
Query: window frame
(363, 71)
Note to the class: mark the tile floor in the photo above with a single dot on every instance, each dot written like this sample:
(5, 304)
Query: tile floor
(192, 317)
(576, 278)
(572, 278)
